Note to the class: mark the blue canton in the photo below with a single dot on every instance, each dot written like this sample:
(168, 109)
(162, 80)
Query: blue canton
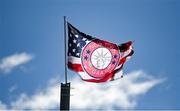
(76, 41)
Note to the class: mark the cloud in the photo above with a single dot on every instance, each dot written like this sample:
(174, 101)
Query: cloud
(48, 98)
(44, 99)
(2, 106)
(13, 61)
(120, 94)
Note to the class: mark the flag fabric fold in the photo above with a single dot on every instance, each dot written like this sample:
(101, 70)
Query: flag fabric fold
(93, 59)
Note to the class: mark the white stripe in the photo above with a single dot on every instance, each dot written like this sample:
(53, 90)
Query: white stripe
(127, 59)
(118, 74)
(84, 75)
(119, 66)
(74, 60)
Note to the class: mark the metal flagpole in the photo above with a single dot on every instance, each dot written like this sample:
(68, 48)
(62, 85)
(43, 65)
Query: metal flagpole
(65, 51)
(65, 87)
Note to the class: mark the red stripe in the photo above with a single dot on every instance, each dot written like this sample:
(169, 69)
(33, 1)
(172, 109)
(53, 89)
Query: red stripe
(106, 78)
(75, 67)
(125, 46)
(122, 60)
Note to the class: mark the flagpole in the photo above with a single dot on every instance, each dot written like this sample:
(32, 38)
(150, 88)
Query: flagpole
(65, 49)
(65, 87)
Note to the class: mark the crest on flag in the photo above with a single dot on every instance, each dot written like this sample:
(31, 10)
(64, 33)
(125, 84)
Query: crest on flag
(93, 59)
(99, 58)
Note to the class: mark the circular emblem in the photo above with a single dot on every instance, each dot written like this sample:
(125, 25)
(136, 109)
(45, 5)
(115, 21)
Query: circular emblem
(100, 58)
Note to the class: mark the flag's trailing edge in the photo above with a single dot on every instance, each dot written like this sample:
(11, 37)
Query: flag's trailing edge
(96, 60)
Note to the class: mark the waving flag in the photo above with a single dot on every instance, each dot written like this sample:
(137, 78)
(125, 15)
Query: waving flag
(93, 59)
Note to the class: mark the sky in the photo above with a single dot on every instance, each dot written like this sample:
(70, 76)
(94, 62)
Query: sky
(32, 53)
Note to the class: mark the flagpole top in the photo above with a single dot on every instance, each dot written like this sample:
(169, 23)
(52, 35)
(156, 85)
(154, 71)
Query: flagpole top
(65, 18)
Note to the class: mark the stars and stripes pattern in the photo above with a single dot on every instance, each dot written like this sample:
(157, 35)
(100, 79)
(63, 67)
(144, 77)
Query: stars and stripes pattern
(77, 41)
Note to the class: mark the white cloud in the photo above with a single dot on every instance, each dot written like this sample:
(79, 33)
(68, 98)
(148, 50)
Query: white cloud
(13, 61)
(2, 106)
(44, 99)
(122, 94)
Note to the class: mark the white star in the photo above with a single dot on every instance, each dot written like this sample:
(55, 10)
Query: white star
(74, 41)
(76, 35)
(70, 45)
(74, 50)
(77, 54)
(78, 44)
(84, 39)
(87, 41)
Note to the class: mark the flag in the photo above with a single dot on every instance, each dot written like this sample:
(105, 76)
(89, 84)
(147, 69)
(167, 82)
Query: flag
(93, 59)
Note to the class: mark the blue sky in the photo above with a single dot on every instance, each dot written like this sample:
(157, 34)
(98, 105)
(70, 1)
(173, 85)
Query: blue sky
(33, 30)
